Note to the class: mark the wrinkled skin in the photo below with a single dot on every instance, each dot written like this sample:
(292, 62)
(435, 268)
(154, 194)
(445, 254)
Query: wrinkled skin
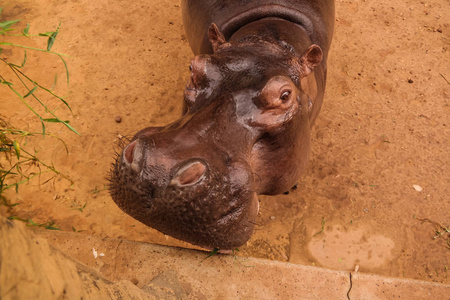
(249, 107)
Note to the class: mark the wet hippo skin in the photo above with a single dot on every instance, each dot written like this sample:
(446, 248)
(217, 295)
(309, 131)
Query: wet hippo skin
(256, 86)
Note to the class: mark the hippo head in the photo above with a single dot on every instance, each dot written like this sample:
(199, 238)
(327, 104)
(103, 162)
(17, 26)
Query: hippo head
(245, 131)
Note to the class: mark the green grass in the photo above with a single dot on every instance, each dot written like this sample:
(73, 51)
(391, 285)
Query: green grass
(29, 222)
(441, 232)
(18, 163)
(322, 230)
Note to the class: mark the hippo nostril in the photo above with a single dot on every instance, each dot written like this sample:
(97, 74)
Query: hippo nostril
(190, 174)
(129, 152)
(133, 155)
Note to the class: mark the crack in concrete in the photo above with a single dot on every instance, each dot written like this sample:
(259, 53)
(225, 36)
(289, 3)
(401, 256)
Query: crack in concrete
(351, 284)
(115, 257)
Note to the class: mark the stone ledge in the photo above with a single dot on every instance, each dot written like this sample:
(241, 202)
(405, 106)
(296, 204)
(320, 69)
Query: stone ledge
(188, 274)
(62, 264)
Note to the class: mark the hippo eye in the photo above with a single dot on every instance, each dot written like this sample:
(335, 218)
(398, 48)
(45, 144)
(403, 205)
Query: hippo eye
(190, 68)
(285, 96)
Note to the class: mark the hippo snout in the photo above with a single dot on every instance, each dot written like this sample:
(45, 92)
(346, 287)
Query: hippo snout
(196, 195)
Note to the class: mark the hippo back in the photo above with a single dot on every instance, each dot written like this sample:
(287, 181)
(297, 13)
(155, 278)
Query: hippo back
(316, 16)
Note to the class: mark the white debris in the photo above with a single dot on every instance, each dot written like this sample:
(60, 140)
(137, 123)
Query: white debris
(356, 268)
(96, 254)
(417, 187)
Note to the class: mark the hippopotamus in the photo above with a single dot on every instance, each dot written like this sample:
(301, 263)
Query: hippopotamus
(256, 86)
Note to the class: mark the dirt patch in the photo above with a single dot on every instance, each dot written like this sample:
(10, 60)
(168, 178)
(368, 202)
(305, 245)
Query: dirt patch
(384, 127)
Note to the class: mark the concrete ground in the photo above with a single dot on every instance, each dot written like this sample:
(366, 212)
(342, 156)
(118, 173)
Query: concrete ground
(184, 273)
(136, 270)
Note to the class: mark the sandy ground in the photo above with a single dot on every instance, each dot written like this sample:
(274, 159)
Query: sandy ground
(384, 127)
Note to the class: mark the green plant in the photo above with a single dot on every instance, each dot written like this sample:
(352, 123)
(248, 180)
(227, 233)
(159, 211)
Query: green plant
(14, 148)
(441, 233)
(213, 252)
(80, 207)
(29, 222)
(322, 230)
(96, 190)
(237, 261)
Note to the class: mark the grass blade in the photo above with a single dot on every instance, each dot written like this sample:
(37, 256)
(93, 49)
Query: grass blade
(23, 100)
(43, 126)
(51, 227)
(35, 83)
(30, 92)
(45, 89)
(48, 33)
(52, 38)
(16, 149)
(54, 120)
(70, 127)
(24, 59)
(26, 30)
(17, 218)
(54, 82)
(58, 120)
(32, 48)
(5, 25)
(67, 69)
(214, 251)
(6, 82)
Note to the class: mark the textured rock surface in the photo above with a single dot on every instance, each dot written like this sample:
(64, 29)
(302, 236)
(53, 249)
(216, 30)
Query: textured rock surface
(32, 269)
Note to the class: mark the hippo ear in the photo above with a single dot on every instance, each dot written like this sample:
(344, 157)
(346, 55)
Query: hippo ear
(216, 37)
(310, 59)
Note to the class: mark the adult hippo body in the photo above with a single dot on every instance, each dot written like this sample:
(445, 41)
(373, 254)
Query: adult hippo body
(256, 86)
